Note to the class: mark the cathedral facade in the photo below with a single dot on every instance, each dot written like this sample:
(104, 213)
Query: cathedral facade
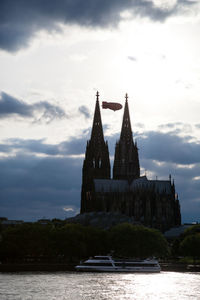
(152, 203)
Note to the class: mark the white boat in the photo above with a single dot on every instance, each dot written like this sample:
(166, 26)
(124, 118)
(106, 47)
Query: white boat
(109, 264)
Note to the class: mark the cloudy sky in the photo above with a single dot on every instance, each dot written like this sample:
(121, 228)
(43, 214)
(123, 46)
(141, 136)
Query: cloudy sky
(55, 55)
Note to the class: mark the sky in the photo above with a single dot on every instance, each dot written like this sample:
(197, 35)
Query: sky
(55, 55)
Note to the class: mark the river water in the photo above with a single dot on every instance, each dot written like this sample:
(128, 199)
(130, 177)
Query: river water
(99, 286)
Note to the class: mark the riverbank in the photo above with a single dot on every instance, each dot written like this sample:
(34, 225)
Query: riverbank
(4, 268)
(179, 267)
(36, 267)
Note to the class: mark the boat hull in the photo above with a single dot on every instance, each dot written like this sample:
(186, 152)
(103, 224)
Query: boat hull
(120, 270)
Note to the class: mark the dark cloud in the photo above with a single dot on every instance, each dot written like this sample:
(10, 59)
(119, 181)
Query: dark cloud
(28, 146)
(10, 106)
(20, 20)
(177, 127)
(84, 111)
(169, 147)
(32, 186)
(74, 146)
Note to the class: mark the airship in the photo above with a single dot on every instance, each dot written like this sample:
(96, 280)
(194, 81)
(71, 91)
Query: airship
(111, 105)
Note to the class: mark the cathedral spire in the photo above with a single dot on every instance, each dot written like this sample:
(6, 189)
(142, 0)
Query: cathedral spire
(126, 162)
(97, 129)
(96, 164)
(126, 131)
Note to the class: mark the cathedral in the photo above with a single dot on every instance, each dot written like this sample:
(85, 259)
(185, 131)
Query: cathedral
(152, 203)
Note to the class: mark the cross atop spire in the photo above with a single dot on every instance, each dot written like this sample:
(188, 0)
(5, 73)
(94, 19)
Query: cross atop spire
(97, 95)
(126, 97)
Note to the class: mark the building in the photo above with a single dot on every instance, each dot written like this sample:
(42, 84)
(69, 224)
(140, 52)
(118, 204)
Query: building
(153, 203)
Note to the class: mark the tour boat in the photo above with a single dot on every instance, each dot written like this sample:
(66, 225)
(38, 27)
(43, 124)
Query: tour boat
(109, 264)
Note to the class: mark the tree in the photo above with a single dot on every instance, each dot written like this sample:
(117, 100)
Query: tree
(137, 241)
(190, 246)
(96, 241)
(191, 230)
(73, 242)
(176, 250)
(26, 240)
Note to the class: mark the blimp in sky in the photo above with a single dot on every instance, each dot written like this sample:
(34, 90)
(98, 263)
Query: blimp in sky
(111, 105)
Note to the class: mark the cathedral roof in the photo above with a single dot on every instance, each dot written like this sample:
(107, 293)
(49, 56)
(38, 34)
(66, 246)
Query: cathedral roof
(110, 185)
(115, 185)
(159, 185)
(162, 186)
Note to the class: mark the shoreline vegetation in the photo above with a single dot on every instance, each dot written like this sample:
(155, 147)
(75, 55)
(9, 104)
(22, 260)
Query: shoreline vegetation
(70, 267)
(59, 246)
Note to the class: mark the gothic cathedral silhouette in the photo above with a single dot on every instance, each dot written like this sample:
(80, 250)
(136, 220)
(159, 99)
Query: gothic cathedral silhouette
(152, 203)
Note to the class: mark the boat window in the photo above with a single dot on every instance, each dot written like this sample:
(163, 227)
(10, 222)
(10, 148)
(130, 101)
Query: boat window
(124, 264)
(95, 264)
(102, 257)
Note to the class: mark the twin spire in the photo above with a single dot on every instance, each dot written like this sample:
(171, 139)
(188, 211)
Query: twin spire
(97, 129)
(126, 162)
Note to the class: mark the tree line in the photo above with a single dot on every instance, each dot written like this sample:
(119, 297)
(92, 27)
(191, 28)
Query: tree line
(58, 242)
(72, 242)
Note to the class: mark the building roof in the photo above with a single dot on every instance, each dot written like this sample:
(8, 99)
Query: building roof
(159, 185)
(111, 185)
(117, 185)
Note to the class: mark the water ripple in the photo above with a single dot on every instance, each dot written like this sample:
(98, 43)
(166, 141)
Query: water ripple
(99, 286)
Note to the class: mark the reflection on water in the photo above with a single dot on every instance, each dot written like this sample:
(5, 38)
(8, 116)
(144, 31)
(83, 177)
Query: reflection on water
(99, 286)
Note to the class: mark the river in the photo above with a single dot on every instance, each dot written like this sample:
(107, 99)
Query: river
(99, 286)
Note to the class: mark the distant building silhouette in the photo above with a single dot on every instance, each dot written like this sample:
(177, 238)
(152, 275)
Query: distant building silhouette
(153, 203)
